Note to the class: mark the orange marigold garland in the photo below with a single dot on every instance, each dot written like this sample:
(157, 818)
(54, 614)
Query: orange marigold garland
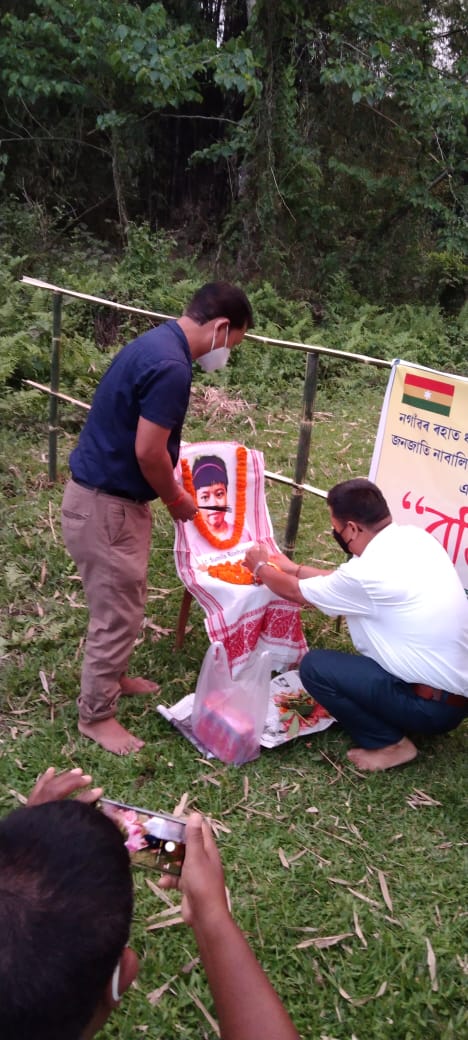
(234, 573)
(241, 498)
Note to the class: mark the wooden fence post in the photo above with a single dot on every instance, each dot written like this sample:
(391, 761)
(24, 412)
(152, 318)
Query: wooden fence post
(54, 384)
(303, 451)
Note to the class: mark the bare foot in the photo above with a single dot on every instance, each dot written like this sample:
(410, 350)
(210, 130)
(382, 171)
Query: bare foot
(111, 736)
(131, 687)
(383, 758)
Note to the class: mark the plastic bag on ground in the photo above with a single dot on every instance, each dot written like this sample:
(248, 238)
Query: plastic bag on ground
(229, 714)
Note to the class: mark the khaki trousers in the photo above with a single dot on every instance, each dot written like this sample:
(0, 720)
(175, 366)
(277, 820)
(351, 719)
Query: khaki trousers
(109, 539)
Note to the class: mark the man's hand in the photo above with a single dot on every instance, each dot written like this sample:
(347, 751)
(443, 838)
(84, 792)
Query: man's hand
(151, 449)
(52, 787)
(202, 878)
(185, 508)
(247, 1006)
(256, 554)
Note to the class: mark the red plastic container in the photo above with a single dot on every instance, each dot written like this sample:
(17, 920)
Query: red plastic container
(226, 731)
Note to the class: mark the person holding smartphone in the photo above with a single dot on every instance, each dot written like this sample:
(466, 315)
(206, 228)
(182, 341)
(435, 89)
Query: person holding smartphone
(65, 916)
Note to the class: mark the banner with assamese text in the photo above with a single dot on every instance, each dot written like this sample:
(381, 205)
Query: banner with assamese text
(420, 459)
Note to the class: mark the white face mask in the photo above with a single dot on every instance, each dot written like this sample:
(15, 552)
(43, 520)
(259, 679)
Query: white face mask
(217, 358)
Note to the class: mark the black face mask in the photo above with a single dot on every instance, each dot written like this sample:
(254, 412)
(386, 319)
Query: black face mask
(338, 536)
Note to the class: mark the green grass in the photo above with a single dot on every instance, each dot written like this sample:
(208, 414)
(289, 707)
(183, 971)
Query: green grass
(362, 826)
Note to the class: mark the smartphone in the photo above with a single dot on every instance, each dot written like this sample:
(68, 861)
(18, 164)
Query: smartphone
(153, 839)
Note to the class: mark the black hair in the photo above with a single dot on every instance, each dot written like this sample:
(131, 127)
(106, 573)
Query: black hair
(220, 300)
(207, 470)
(359, 500)
(65, 911)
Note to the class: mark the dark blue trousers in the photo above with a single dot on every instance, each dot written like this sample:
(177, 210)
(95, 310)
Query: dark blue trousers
(374, 707)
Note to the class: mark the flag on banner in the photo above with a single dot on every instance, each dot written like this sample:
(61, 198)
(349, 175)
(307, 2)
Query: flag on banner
(431, 394)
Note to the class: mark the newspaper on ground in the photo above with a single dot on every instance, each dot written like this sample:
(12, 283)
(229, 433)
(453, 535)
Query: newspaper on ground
(291, 713)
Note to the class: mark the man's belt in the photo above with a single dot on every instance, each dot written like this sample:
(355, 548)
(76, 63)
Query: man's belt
(105, 491)
(430, 693)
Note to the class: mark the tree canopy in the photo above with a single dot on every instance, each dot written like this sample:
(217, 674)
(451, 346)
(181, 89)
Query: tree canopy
(292, 139)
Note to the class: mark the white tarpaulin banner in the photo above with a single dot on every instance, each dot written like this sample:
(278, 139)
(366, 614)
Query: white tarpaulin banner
(420, 459)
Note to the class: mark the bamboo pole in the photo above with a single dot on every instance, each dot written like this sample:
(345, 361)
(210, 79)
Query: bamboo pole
(265, 340)
(54, 384)
(303, 452)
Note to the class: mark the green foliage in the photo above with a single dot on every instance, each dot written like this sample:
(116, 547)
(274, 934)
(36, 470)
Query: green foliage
(290, 141)
(152, 275)
(90, 75)
(146, 276)
(92, 53)
(256, 371)
(445, 269)
(389, 59)
(354, 153)
(413, 333)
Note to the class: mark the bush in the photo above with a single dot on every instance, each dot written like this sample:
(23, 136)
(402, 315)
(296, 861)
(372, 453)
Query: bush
(151, 275)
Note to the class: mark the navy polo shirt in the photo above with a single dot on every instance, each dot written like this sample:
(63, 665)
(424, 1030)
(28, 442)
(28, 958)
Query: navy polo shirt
(149, 377)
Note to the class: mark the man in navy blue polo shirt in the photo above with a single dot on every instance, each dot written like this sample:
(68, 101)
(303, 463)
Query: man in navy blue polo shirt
(125, 457)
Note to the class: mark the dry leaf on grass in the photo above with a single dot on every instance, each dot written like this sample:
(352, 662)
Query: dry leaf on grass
(161, 893)
(342, 881)
(207, 779)
(283, 858)
(165, 924)
(323, 862)
(418, 799)
(51, 523)
(358, 929)
(384, 890)
(181, 805)
(44, 683)
(365, 899)
(155, 996)
(432, 965)
(338, 837)
(217, 827)
(170, 911)
(159, 632)
(297, 855)
(204, 1010)
(336, 766)
(190, 965)
(359, 1001)
(20, 797)
(322, 942)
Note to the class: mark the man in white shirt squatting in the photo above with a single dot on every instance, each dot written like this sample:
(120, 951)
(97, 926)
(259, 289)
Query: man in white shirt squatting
(407, 615)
